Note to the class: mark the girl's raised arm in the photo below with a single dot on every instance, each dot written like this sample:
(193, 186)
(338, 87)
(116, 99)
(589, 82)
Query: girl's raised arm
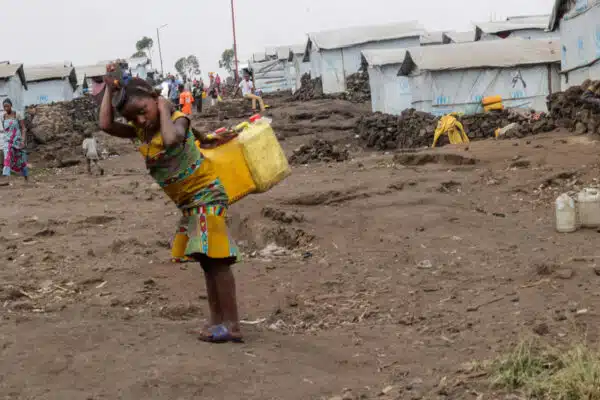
(107, 119)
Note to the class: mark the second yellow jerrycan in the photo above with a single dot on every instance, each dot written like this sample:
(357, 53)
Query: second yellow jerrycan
(265, 158)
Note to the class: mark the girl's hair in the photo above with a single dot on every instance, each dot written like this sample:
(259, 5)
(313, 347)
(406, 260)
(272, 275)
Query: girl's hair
(7, 101)
(136, 87)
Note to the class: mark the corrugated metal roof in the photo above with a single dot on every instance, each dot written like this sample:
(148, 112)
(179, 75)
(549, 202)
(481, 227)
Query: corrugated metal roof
(347, 37)
(89, 71)
(432, 38)
(486, 54)
(514, 24)
(384, 56)
(459, 37)
(10, 70)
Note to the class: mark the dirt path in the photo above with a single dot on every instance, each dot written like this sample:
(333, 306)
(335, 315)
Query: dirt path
(386, 277)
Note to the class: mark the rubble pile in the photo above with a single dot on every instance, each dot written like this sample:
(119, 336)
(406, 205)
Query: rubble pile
(358, 89)
(416, 129)
(384, 131)
(570, 112)
(482, 126)
(310, 89)
(49, 123)
(318, 151)
(58, 128)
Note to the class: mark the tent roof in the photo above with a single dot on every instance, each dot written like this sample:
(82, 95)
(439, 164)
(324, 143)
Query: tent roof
(432, 37)
(296, 49)
(514, 24)
(459, 37)
(9, 70)
(89, 71)
(347, 37)
(384, 56)
(50, 72)
(485, 54)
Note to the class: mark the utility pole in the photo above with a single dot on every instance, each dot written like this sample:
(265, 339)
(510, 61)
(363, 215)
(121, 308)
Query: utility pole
(235, 55)
(162, 70)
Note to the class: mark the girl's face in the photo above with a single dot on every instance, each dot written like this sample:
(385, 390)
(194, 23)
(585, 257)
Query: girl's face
(143, 112)
(7, 108)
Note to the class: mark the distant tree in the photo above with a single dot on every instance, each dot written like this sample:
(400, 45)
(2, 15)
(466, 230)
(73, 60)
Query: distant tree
(143, 47)
(226, 60)
(188, 67)
(138, 54)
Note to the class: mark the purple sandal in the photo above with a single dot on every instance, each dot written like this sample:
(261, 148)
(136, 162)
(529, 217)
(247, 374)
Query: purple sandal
(220, 334)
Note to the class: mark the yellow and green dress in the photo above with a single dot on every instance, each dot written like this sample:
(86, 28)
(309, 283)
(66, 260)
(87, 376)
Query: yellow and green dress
(191, 182)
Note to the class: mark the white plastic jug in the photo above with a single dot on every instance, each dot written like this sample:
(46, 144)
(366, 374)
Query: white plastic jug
(566, 214)
(589, 207)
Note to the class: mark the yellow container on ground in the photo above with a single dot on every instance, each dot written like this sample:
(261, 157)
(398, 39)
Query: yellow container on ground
(491, 100)
(264, 156)
(494, 106)
(232, 170)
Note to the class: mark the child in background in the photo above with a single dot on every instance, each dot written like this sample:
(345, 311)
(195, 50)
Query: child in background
(190, 180)
(90, 150)
(185, 100)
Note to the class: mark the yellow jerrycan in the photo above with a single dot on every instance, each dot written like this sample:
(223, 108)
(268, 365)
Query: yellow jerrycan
(264, 156)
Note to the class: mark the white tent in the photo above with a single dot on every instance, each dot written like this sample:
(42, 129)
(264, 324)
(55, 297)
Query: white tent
(456, 77)
(300, 67)
(390, 92)
(579, 31)
(334, 55)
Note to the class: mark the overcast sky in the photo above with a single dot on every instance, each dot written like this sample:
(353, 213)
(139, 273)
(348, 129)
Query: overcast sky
(87, 31)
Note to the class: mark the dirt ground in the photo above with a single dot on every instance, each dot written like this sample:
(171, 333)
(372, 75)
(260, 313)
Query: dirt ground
(386, 276)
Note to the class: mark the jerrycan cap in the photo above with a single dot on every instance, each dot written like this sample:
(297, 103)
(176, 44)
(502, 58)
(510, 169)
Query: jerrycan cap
(255, 117)
(221, 130)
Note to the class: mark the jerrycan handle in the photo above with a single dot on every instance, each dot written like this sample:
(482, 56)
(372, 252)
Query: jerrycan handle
(255, 117)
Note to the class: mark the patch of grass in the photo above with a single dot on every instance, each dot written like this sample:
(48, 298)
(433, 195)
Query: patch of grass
(543, 372)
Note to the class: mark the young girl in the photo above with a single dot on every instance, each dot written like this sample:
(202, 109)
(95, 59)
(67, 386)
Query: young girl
(175, 162)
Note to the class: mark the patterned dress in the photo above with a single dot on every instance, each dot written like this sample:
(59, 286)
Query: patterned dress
(191, 182)
(15, 156)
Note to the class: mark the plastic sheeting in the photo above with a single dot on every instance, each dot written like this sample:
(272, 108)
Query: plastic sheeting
(336, 65)
(347, 37)
(580, 40)
(272, 76)
(493, 54)
(442, 92)
(390, 93)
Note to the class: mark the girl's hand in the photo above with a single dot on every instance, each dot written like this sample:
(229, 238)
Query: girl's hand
(165, 106)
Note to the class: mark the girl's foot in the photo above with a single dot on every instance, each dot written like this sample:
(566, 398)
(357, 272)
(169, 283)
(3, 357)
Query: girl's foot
(220, 334)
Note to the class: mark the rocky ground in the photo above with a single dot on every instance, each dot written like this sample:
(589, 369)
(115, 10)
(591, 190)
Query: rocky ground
(367, 274)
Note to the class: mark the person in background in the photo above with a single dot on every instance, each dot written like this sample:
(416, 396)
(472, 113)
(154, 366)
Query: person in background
(213, 91)
(90, 150)
(15, 155)
(173, 91)
(185, 100)
(167, 145)
(218, 83)
(197, 93)
(247, 87)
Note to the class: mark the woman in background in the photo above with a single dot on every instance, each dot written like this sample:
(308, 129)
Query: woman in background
(15, 156)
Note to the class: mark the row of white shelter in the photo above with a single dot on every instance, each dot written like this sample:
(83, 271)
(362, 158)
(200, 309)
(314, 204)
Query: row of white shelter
(43, 84)
(439, 72)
